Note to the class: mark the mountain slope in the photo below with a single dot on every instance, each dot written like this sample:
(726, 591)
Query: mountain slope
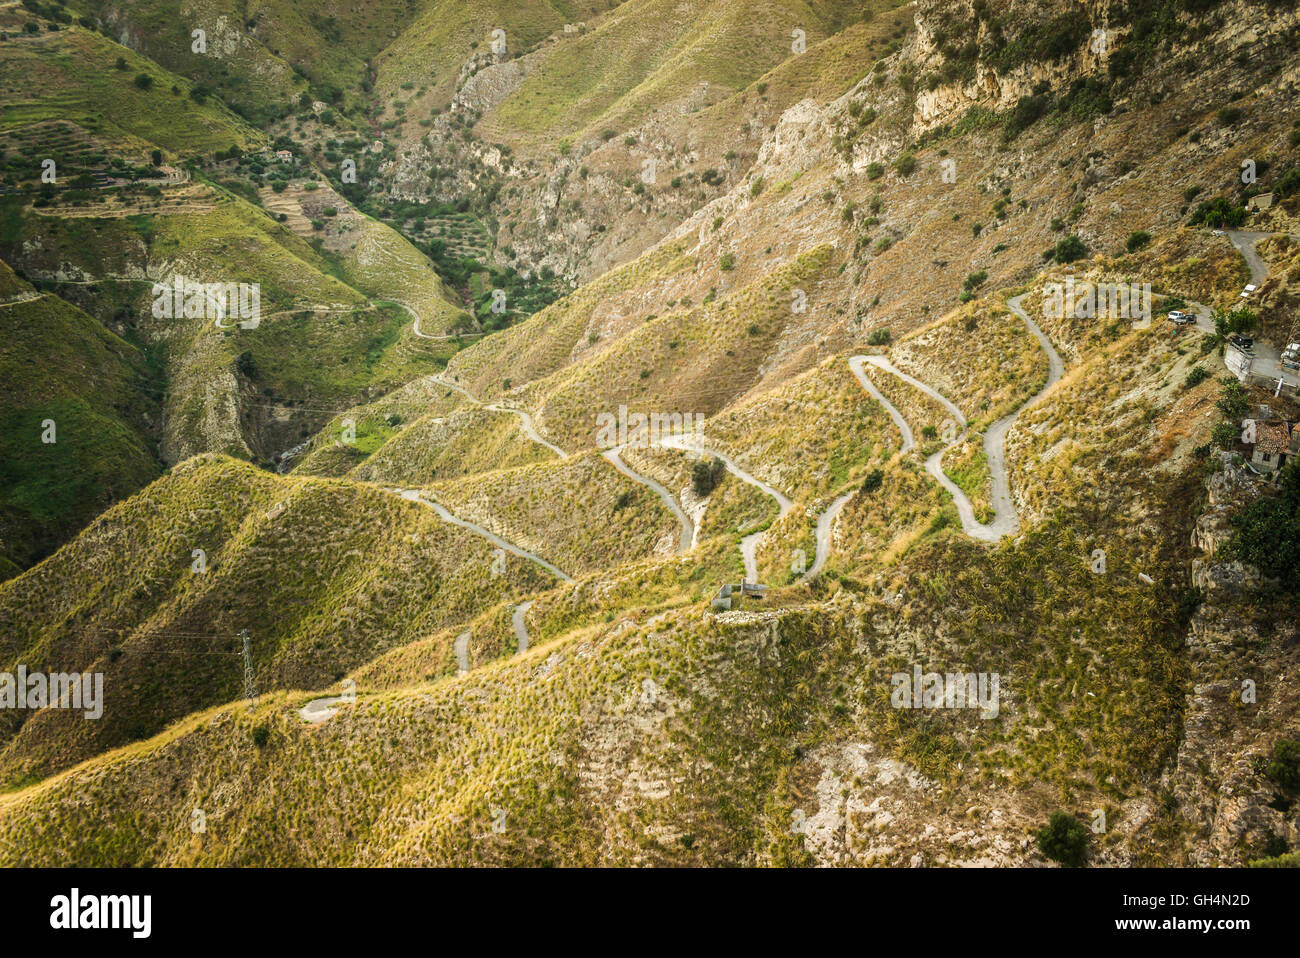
(78, 420)
(324, 575)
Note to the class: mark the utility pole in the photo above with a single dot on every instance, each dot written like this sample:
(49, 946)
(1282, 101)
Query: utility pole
(250, 690)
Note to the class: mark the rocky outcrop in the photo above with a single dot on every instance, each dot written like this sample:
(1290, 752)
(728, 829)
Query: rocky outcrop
(1238, 699)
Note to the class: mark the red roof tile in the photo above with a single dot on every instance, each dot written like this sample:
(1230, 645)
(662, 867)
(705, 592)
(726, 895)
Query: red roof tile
(1271, 437)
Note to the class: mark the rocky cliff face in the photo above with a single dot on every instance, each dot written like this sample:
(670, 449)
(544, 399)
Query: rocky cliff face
(1243, 697)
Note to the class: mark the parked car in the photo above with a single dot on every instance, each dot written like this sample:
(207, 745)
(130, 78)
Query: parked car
(1244, 343)
(1291, 356)
(1181, 318)
(1216, 232)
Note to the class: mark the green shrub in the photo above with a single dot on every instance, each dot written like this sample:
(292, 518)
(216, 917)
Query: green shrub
(1064, 839)
(706, 474)
(1234, 401)
(1284, 768)
(873, 480)
(1238, 320)
(879, 337)
(1069, 249)
(1028, 111)
(1137, 240)
(1266, 533)
(727, 262)
(1216, 212)
(1223, 435)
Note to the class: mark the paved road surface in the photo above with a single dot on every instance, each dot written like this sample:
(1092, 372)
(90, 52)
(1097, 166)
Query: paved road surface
(462, 653)
(318, 710)
(526, 421)
(749, 544)
(414, 496)
(686, 532)
(517, 620)
(1005, 518)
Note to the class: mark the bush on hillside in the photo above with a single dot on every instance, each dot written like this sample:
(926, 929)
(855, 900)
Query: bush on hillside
(706, 474)
(1137, 240)
(1266, 533)
(1064, 839)
(1219, 212)
(1283, 769)
(1069, 249)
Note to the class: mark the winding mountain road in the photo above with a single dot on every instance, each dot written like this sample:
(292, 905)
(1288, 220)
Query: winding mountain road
(930, 391)
(525, 420)
(1246, 241)
(411, 495)
(686, 532)
(909, 440)
(826, 521)
(517, 621)
(415, 325)
(749, 544)
(1006, 520)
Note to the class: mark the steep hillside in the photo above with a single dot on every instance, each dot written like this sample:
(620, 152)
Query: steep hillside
(829, 237)
(78, 421)
(73, 76)
(324, 576)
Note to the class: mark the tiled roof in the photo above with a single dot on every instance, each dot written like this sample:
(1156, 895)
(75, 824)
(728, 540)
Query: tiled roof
(1271, 437)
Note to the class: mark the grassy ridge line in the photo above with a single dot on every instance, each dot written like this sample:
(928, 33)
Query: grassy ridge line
(549, 339)
(644, 55)
(375, 423)
(341, 574)
(693, 360)
(578, 512)
(501, 736)
(467, 442)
